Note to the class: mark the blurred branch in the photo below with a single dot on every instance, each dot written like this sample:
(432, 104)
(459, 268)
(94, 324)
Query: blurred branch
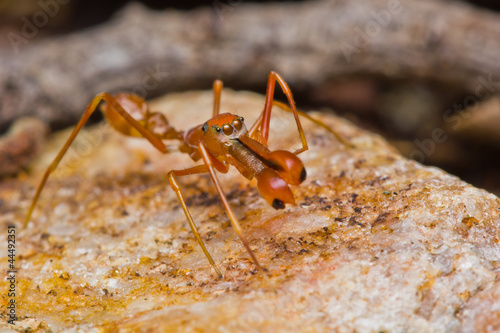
(20, 144)
(150, 52)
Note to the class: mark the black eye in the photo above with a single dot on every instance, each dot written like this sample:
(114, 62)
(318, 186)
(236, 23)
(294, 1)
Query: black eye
(242, 119)
(204, 128)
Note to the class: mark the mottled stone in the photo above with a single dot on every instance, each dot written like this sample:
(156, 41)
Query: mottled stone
(376, 242)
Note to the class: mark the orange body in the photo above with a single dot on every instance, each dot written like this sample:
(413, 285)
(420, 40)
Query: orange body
(220, 142)
(227, 140)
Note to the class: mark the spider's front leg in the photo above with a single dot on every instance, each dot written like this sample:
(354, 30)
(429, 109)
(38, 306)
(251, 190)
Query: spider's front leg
(209, 167)
(177, 189)
(232, 217)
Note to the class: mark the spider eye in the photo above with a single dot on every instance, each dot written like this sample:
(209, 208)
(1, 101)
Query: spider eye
(217, 128)
(204, 128)
(227, 129)
(237, 124)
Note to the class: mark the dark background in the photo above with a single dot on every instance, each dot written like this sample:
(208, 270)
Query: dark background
(82, 14)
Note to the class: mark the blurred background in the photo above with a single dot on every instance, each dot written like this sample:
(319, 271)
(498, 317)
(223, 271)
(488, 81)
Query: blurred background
(423, 74)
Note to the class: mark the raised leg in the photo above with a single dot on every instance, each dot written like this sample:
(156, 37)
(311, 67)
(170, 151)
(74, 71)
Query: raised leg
(234, 221)
(90, 109)
(263, 122)
(217, 92)
(175, 186)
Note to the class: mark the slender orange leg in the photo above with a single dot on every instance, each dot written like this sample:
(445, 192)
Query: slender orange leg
(217, 92)
(234, 221)
(175, 186)
(90, 109)
(265, 118)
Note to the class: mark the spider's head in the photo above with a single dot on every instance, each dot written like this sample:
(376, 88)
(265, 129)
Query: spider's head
(223, 128)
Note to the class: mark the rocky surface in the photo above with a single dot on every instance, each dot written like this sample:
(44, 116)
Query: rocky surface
(375, 243)
(21, 144)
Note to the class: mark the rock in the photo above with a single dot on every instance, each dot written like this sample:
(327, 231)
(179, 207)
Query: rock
(478, 123)
(376, 242)
(21, 144)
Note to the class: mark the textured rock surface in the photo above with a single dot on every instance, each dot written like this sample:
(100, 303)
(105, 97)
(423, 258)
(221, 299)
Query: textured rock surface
(376, 242)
